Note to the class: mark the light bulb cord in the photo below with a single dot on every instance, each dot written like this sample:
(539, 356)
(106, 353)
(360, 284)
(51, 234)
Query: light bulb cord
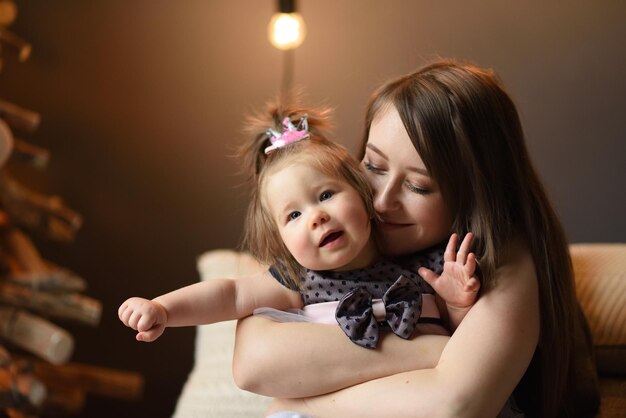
(286, 84)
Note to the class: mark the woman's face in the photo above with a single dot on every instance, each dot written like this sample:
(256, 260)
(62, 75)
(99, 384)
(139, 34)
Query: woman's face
(408, 201)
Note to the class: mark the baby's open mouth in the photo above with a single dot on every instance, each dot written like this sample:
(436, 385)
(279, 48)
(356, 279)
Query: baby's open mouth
(330, 238)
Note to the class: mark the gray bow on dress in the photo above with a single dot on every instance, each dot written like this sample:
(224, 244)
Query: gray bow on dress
(403, 306)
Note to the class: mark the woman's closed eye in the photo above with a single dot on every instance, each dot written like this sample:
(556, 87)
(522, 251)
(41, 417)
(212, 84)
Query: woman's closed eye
(416, 189)
(369, 166)
(373, 168)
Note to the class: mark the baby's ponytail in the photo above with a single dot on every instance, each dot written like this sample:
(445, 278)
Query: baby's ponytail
(258, 129)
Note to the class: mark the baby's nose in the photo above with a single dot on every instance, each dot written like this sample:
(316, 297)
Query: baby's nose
(319, 217)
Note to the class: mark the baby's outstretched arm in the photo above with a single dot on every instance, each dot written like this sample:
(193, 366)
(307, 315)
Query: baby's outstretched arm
(458, 285)
(205, 303)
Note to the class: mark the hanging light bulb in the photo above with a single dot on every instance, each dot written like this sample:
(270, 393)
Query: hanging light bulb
(286, 29)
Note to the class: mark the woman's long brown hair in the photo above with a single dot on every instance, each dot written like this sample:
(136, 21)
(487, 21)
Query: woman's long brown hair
(467, 131)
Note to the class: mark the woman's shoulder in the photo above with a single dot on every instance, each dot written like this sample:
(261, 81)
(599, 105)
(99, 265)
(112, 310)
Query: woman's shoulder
(516, 264)
(516, 251)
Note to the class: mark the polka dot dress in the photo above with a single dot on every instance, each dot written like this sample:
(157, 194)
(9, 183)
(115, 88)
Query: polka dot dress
(330, 286)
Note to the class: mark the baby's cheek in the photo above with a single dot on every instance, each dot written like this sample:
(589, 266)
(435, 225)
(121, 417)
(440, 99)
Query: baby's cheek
(299, 249)
(358, 214)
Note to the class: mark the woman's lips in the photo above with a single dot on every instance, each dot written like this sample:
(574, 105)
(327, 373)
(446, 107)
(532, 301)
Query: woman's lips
(392, 225)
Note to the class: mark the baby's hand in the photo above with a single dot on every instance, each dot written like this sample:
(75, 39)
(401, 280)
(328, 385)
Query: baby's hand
(145, 316)
(458, 285)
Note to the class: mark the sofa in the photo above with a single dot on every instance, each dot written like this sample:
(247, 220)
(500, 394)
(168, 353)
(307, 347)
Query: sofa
(600, 272)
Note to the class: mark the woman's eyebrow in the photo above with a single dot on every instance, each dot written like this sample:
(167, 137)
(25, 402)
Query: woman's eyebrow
(418, 170)
(377, 151)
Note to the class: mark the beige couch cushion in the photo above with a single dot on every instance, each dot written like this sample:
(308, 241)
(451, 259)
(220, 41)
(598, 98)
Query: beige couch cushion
(600, 273)
(210, 391)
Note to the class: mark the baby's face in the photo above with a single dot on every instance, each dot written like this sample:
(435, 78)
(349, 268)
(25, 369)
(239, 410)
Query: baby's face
(322, 220)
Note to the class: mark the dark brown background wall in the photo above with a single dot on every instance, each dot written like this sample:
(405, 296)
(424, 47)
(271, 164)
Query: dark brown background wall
(142, 100)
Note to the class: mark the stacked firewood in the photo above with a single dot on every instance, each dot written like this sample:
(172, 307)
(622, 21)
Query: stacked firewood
(36, 378)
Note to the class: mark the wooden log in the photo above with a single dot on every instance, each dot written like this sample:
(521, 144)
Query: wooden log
(20, 390)
(5, 357)
(29, 153)
(72, 306)
(9, 38)
(63, 279)
(97, 380)
(16, 413)
(38, 211)
(36, 335)
(26, 267)
(62, 401)
(24, 251)
(52, 280)
(19, 117)
(6, 137)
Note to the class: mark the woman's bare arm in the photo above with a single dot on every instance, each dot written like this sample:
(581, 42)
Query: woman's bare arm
(303, 359)
(477, 372)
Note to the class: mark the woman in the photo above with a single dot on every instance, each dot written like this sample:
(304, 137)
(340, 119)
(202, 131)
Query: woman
(444, 151)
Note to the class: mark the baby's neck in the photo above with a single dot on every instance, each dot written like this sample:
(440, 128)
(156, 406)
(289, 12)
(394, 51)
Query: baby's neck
(366, 257)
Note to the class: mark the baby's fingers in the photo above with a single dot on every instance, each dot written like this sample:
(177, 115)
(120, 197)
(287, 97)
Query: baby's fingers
(461, 256)
(146, 322)
(428, 275)
(121, 310)
(470, 264)
(450, 253)
(134, 319)
(124, 313)
(151, 334)
(472, 283)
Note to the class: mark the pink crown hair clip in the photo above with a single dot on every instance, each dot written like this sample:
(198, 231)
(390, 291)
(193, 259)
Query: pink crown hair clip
(290, 134)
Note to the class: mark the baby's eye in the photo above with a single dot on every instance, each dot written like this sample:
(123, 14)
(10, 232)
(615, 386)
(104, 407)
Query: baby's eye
(294, 215)
(326, 195)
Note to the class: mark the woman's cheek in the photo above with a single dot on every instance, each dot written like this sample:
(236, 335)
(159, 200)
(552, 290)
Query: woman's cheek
(373, 181)
(434, 217)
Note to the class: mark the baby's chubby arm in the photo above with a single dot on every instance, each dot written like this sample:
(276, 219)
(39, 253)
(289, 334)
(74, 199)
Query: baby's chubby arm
(205, 303)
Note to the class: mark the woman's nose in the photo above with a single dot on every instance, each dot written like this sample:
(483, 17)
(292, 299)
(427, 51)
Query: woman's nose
(386, 197)
(318, 218)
